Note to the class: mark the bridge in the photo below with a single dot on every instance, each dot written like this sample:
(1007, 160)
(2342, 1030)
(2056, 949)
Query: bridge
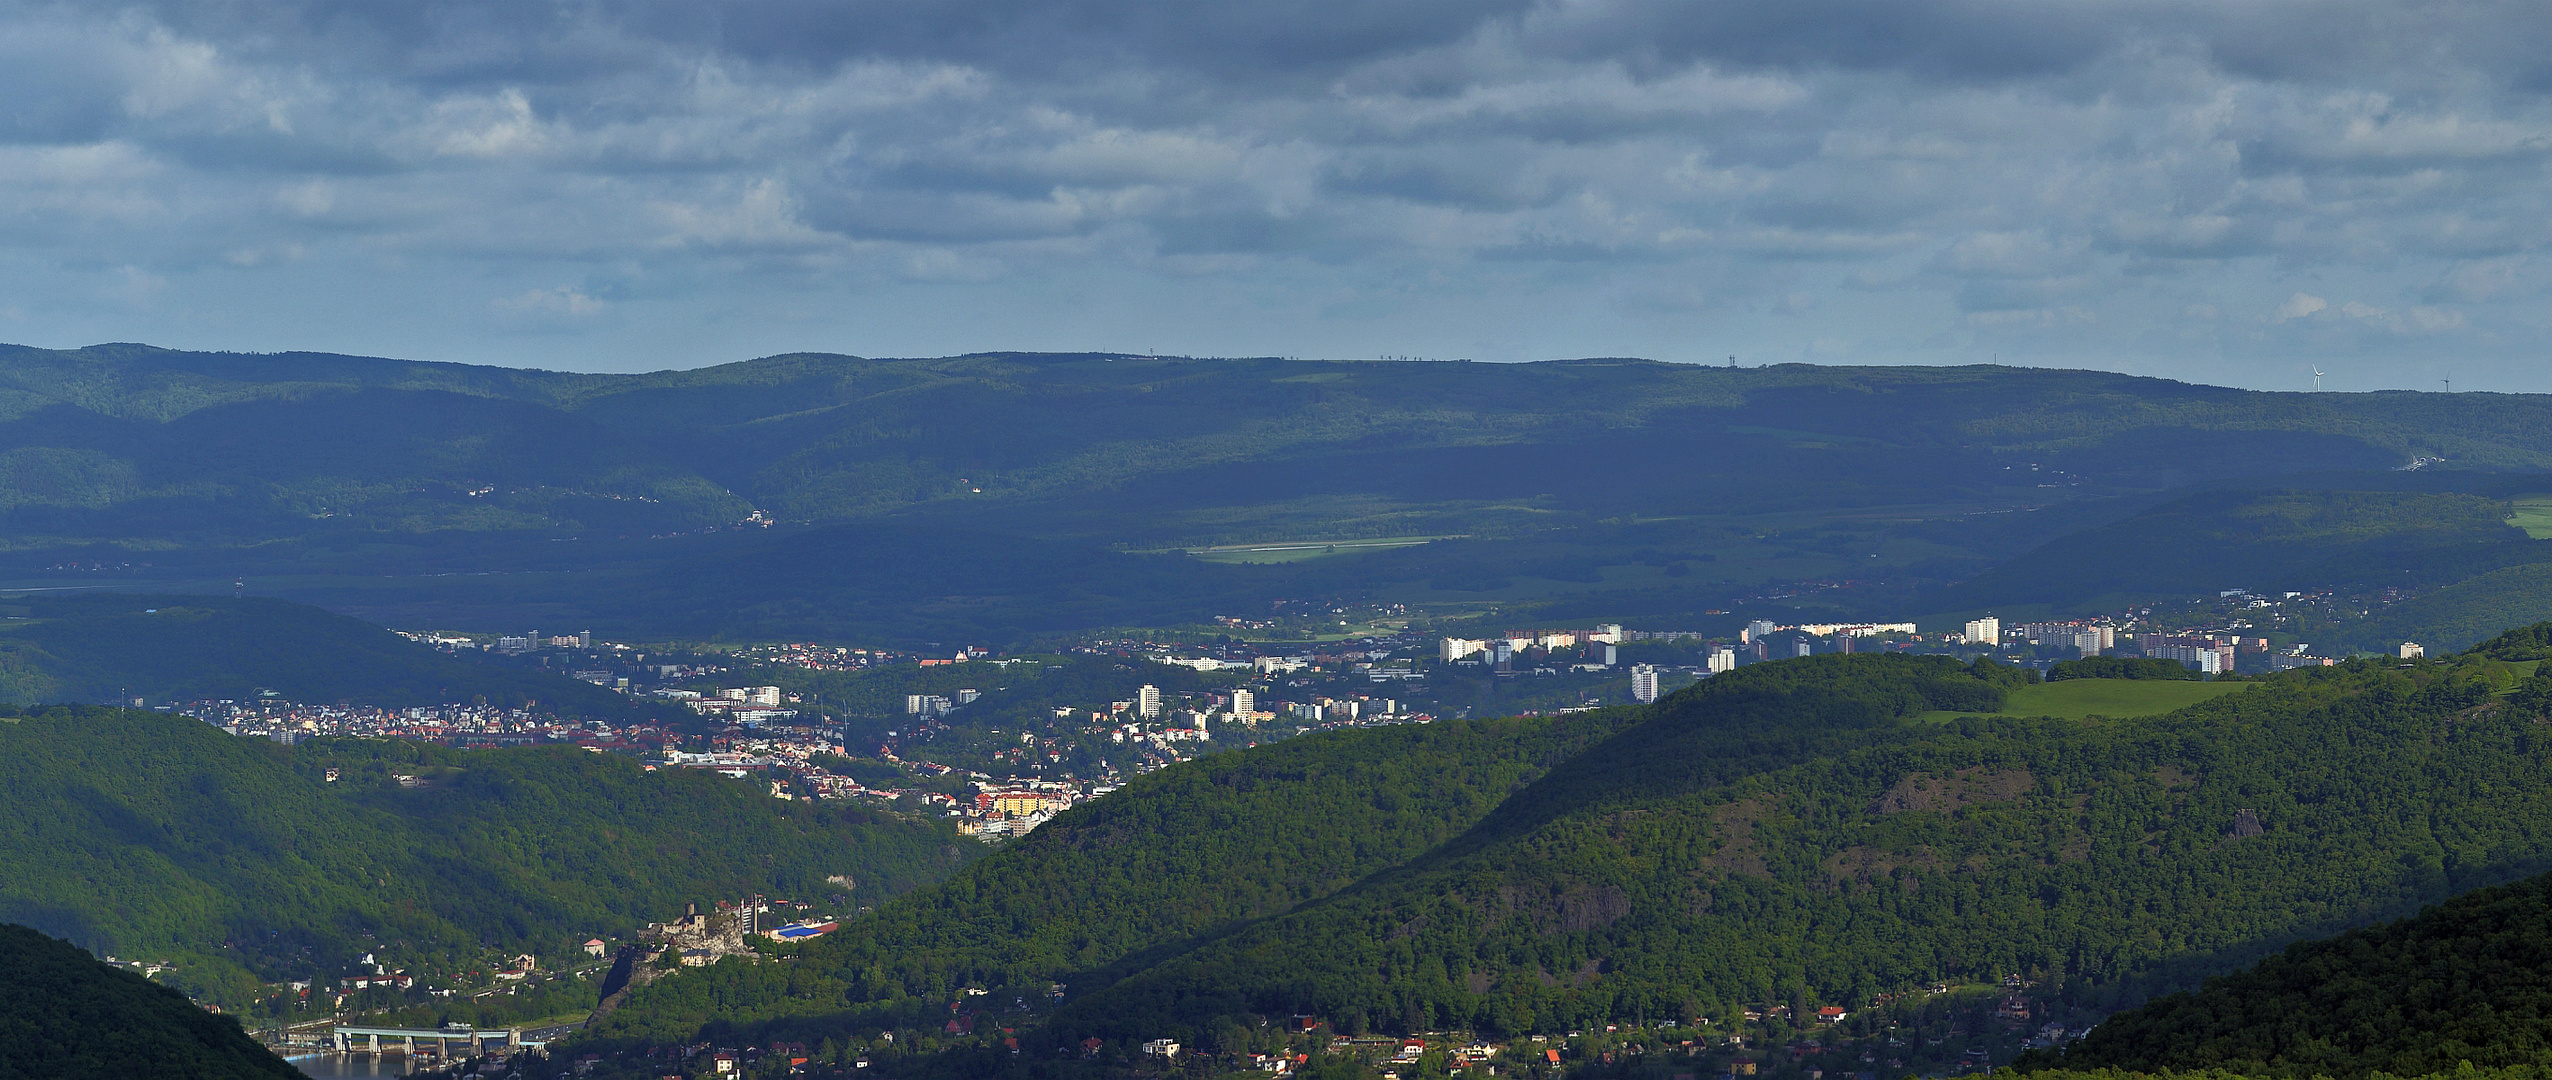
(360, 1039)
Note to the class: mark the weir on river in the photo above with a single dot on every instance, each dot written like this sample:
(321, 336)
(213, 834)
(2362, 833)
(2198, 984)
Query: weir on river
(357, 1038)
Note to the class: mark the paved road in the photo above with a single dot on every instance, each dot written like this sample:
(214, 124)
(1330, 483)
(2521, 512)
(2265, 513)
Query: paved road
(545, 1034)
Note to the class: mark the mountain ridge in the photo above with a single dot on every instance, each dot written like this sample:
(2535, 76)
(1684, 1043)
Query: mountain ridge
(418, 491)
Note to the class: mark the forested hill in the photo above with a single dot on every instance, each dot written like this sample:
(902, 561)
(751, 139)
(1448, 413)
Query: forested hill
(142, 834)
(1791, 832)
(1185, 852)
(101, 647)
(1008, 496)
(2108, 856)
(2465, 983)
(1200, 850)
(65, 1016)
(825, 436)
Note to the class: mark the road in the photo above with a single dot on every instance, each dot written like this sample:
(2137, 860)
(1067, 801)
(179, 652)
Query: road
(552, 1032)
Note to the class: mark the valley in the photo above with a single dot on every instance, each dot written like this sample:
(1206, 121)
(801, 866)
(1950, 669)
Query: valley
(1134, 717)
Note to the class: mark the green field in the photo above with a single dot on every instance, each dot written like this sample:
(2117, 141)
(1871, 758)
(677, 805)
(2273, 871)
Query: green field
(1299, 550)
(2533, 513)
(2074, 699)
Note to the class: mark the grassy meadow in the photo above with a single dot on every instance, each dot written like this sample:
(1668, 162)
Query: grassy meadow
(2076, 699)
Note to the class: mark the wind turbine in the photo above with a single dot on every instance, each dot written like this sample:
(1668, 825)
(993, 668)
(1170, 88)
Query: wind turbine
(2450, 385)
(2317, 380)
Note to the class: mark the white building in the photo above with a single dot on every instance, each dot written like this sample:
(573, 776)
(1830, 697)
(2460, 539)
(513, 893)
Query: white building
(1454, 648)
(1723, 658)
(1147, 701)
(1756, 630)
(1987, 631)
(1243, 704)
(1853, 629)
(1643, 683)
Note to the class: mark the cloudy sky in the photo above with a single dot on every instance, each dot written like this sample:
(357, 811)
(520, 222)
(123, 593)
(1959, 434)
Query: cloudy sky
(2222, 192)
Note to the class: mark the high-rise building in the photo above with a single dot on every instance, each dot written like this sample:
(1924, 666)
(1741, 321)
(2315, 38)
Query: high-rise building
(1723, 658)
(1243, 704)
(1602, 653)
(1803, 647)
(2206, 657)
(1643, 683)
(1755, 631)
(1147, 701)
(1987, 632)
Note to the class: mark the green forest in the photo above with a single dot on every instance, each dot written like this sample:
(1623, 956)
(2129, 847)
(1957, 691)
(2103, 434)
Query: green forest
(65, 1016)
(1013, 498)
(2464, 984)
(1174, 855)
(158, 837)
(1791, 832)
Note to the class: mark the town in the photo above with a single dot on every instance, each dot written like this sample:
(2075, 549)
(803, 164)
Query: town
(1001, 744)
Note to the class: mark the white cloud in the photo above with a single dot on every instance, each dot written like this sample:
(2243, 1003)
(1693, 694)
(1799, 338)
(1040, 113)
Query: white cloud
(2436, 319)
(561, 301)
(2299, 306)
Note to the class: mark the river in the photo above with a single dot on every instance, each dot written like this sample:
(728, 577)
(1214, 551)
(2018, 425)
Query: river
(325, 1066)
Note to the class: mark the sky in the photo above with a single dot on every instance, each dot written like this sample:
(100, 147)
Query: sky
(2231, 193)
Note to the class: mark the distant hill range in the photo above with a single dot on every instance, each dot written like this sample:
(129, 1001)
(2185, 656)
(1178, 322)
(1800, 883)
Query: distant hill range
(69, 1017)
(101, 647)
(1007, 496)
